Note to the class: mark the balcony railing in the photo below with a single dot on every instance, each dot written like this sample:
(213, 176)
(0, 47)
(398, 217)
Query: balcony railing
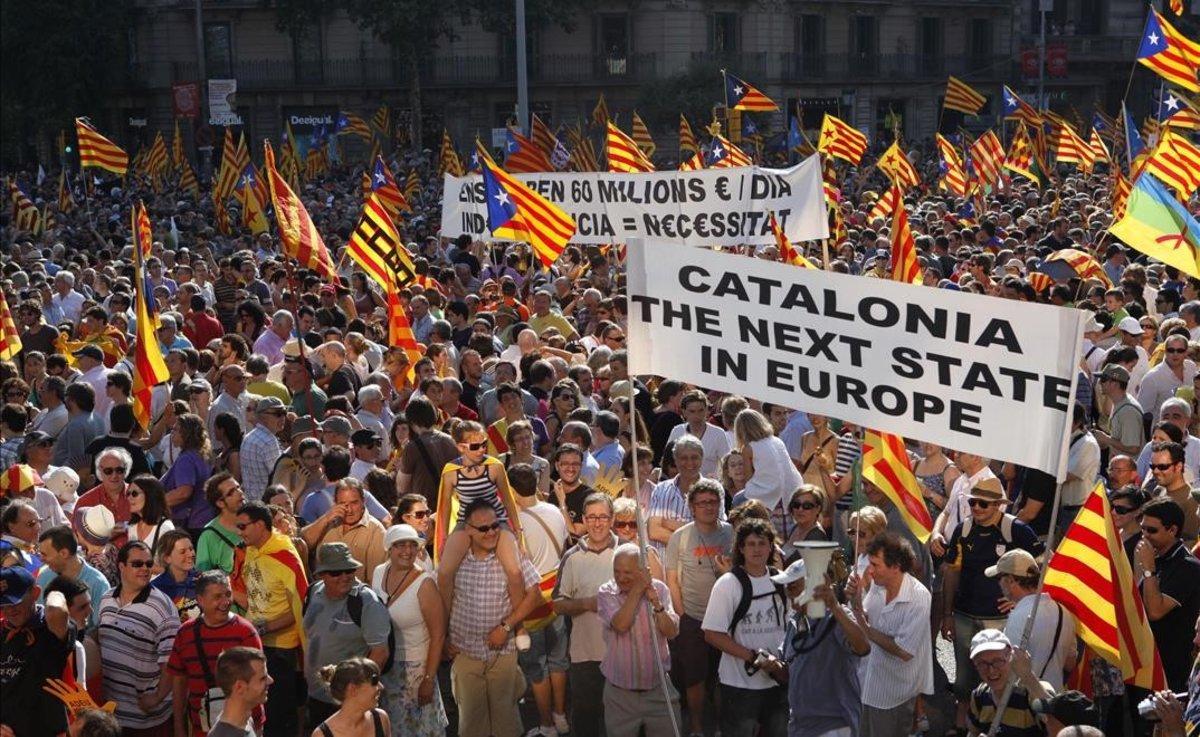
(751, 65)
(267, 74)
(803, 67)
(1094, 48)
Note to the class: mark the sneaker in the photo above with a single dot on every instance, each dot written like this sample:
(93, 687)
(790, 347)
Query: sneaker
(522, 641)
(560, 723)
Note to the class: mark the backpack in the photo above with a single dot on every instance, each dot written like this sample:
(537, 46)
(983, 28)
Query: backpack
(1006, 528)
(748, 595)
(354, 607)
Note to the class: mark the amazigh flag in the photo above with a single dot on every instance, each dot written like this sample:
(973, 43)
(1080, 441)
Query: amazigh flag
(1157, 225)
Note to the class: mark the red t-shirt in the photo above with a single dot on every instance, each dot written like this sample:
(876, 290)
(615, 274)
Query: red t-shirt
(184, 660)
(202, 328)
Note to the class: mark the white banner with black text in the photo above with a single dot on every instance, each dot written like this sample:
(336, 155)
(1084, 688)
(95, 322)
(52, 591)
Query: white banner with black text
(972, 373)
(710, 207)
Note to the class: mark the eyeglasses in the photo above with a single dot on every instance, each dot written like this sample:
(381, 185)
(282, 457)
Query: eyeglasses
(804, 505)
(625, 524)
(597, 517)
(485, 528)
(1161, 466)
(477, 446)
(139, 563)
(981, 503)
(990, 664)
(1123, 510)
(419, 514)
(112, 470)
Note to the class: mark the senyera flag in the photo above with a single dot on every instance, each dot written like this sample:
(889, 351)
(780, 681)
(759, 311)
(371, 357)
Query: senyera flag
(96, 150)
(886, 464)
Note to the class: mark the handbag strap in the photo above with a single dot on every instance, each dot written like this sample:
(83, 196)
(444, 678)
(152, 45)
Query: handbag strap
(820, 447)
(553, 540)
(433, 474)
(1053, 645)
(209, 681)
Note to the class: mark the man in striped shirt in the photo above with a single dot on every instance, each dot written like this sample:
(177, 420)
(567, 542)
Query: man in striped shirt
(634, 696)
(137, 630)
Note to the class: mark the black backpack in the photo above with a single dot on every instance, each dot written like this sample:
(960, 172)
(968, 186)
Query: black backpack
(748, 595)
(354, 607)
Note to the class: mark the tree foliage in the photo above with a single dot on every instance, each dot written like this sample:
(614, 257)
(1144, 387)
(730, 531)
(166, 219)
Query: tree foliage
(692, 92)
(59, 59)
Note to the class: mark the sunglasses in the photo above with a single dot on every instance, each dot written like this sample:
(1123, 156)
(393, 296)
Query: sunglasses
(1124, 510)
(140, 563)
(804, 505)
(1177, 350)
(485, 528)
(980, 503)
(476, 446)
(133, 493)
(338, 574)
(419, 514)
(1151, 530)
(244, 525)
(1161, 466)
(112, 470)
(627, 524)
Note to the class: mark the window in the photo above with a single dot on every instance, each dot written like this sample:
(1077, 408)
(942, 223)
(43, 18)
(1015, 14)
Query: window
(218, 50)
(724, 36)
(980, 43)
(810, 44)
(306, 50)
(929, 52)
(864, 42)
(613, 43)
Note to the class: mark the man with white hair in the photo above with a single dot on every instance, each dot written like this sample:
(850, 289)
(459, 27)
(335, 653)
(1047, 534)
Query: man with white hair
(422, 321)
(1178, 412)
(270, 343)
(168, 335)
(66, 304)
(370, 415)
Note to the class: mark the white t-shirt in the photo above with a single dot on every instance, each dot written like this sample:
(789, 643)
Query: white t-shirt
(762, 628)
(1042, 637)
(543, 553)
(716, 446)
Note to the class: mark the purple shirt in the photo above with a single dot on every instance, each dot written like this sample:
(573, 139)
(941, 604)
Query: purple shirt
(190, 469)
(629, 660)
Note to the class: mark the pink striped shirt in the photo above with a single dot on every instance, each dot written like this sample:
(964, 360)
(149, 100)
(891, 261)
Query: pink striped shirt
(628, 662)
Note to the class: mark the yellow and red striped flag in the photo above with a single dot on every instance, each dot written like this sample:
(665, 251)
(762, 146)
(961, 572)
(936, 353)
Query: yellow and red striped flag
(1082, 263)
(886, 204)
(694, 163)
(351, 123)
(448, 161)
(906, 267)
(382, 120)
(988, 157)
(1099, 148)
(254, 216)
(156, 160)
(1019, 158)
(289, 158)
(10, 339)
(96, 150)
(143, 231)
(177, 157)
(1173, 56)
(521, 156)
(885, 463)
(149, 368)
(379, 180)
(66, 202)
(954, 176)
(1120, 193)
(600, 114)
(228, 174)
(895, 164)
(788, 253)
(623, 153)
(740, 95)
(400, 333)
(515, 211)
(298, 234)
(829, 183)
(25, 214)
(724, 155)
(841, 140)
(187, 180)
(542, 137)
(1069, 148)
(962, 97)
(375, 245)
(1176, 161)
(641, 136)
(687, 139)
(1090, 575)
(412, 186)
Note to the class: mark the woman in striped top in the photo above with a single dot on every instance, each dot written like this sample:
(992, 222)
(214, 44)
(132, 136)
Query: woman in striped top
(475, 475)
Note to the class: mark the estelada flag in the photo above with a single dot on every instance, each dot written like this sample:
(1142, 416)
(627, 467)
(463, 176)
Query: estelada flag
(885, 463)
(899, 169)
(515, 211)
(840, 139)
(739, 95)
(149, 368)
(10, 339)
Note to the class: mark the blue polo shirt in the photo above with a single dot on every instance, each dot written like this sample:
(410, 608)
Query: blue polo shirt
(95, 581)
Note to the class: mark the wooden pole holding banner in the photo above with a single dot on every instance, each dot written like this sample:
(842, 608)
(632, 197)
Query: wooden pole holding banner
(1002, 704)
(644, 558)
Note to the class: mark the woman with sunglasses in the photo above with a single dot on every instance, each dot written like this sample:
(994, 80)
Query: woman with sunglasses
(410, 594)
(149, 515)
(804, 511)
(1125, 505)
(625, 525)
(565, 398)
(355, 686)
(475, 475)
(865, 525)
(413, 510)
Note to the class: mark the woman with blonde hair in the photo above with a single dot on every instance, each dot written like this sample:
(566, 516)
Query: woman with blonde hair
(732, 471)
(185, 479)
(355, 686)
(865, 526)
(805, 510)
(772, 476)
(356, 354)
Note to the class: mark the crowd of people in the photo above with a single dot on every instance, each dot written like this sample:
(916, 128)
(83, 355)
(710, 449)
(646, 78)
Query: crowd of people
(320, 534)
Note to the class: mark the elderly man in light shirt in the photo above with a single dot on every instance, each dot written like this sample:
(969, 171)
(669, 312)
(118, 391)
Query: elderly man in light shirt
(370, 415)
(270, 343)
(66, 304)
(1178, 412)
(1175, 371)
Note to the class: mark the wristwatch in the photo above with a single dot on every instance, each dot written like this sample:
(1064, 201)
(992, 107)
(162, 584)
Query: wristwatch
(504, 626)
(1149, 574)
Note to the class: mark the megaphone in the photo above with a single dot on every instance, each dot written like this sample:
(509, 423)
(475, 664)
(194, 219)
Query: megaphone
(817, 555)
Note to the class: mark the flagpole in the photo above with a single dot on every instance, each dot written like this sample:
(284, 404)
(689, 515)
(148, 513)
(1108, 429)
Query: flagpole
(1068, 422)
(641, 527)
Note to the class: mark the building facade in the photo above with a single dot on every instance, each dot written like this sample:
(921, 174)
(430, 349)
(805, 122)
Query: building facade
(869, 61)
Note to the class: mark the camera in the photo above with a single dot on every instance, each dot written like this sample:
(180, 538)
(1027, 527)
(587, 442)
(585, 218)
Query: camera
(1145, 707)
